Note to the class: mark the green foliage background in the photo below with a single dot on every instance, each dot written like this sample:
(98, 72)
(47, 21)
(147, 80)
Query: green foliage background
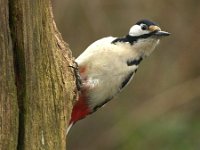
(160, 109)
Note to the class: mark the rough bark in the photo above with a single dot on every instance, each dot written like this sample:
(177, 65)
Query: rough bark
(8, 96)
(45, 84)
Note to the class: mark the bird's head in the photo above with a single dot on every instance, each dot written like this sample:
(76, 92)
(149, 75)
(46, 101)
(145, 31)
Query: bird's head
(145, 35)
(145, 28)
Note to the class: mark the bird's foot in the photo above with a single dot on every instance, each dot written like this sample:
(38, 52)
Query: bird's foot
(77, 75)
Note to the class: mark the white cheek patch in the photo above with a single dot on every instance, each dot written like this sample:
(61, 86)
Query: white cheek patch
(137, 31)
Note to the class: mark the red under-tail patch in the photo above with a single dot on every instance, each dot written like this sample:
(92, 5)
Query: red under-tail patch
(80, 109)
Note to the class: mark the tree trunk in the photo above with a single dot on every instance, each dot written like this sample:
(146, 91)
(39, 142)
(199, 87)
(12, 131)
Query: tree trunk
(8, 95)
(45, 84)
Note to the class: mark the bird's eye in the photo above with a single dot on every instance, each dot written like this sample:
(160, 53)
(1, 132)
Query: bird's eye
(144, 27)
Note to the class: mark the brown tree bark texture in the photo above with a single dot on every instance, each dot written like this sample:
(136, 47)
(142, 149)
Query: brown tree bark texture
(45, 83)
(8, 95)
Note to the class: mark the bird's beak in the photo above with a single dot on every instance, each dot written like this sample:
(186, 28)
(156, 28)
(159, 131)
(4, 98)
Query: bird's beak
(162, 33)
(157, 31)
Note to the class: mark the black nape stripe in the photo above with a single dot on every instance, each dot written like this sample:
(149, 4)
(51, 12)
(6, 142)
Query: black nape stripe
(133, 39)
(134, 62)
(123, 39)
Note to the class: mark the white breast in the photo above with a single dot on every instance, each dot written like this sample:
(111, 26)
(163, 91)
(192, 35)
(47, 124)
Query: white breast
(106, 68)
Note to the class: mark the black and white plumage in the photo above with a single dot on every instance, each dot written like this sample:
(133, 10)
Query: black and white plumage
(109, 64)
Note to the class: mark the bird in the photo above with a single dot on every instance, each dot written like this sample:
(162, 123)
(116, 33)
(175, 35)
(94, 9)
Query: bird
(108, 65)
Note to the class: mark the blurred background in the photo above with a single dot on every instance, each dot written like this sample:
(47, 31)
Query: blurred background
(160, 109)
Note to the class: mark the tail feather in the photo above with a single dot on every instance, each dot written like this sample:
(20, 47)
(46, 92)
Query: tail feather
(69, 127)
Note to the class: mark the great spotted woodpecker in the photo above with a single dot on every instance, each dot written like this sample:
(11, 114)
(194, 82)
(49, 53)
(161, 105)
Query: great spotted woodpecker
(109, 64)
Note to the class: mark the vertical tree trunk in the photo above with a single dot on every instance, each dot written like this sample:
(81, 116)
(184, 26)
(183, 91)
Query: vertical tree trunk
(8, 95)
(45, 83)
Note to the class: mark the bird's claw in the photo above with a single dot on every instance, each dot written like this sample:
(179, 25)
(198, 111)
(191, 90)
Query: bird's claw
(77, 75)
